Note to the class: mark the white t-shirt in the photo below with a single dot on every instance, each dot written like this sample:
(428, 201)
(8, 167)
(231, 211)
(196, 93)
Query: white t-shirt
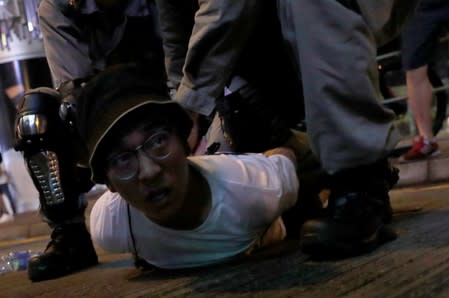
(249, 192)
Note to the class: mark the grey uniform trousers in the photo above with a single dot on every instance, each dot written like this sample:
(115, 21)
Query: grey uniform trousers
(335, 52)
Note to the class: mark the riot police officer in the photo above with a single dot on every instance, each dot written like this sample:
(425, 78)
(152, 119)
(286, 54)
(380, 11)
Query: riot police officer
(81, 38)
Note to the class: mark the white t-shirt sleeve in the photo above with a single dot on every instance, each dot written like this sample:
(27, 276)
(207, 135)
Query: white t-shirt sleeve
(109, 226)
(288, 180)
(267, 186)
(261, 187)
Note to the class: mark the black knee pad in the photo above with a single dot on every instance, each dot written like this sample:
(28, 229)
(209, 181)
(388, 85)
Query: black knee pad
(51, 149)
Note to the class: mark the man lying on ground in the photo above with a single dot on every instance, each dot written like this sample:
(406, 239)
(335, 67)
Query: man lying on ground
(166, 207)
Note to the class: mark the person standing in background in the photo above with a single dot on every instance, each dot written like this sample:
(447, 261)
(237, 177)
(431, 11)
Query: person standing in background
(20, 190)
(7, 209)
(10, 96)
(419, 41)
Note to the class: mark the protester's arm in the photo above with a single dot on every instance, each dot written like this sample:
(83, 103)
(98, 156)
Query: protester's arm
(287, 152)
(273, 181)
(219, 33)
(66, 47)
(287, 175)
(109, 226)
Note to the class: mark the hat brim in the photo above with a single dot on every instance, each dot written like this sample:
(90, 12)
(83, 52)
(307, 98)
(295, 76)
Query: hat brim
(120, 111)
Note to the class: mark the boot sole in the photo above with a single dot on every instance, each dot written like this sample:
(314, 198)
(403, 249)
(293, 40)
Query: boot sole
(317, 247)
(43, 272)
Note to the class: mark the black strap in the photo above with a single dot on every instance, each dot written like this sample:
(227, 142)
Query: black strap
(133, 240)
(139, 263)
(131, 230)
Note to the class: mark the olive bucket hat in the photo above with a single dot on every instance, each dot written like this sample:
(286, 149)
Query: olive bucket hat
(112, 96)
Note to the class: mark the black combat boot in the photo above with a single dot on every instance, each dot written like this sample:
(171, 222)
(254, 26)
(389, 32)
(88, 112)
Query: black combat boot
(358, 214)
(69, 250)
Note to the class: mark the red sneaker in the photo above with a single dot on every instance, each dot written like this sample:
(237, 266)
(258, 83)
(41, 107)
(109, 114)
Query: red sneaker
(421, 149)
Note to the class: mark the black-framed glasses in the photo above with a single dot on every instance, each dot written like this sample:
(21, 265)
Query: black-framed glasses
(125, 165)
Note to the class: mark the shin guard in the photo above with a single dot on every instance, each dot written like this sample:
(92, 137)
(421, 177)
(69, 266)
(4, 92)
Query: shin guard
(50, 149)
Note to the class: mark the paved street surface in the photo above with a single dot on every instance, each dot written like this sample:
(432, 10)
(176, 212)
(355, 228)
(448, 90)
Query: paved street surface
(416, 264)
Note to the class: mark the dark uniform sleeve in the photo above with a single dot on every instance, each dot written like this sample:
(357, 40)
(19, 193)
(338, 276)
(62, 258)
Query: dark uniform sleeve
(200, 59)
(66, 46)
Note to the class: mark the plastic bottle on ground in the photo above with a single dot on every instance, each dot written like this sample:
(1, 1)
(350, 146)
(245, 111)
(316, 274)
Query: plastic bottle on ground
(15, 261)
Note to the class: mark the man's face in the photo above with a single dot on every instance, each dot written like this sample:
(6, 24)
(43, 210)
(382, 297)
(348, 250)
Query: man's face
(158, 188)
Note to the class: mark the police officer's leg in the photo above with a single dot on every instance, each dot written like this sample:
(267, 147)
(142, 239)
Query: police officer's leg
(349, 129)
(50, 150)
